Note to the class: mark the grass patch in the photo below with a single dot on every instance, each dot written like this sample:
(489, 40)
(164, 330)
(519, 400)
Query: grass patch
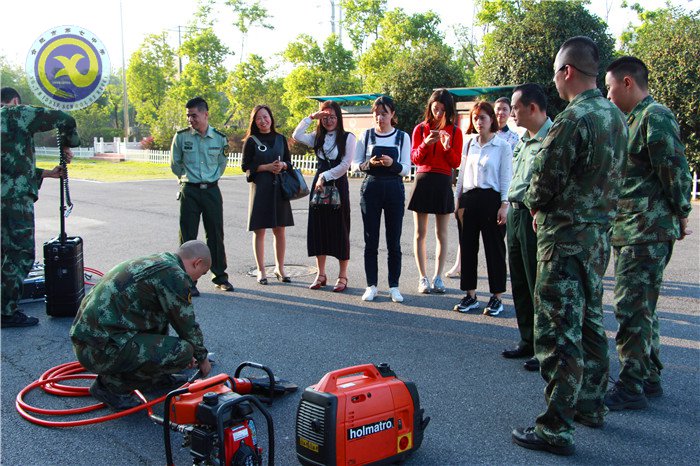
(106, 170)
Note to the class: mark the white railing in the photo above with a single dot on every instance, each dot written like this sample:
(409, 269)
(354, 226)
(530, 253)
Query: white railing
(82, 152)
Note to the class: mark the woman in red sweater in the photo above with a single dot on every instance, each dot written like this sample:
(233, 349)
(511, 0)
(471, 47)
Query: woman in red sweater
(436, 150)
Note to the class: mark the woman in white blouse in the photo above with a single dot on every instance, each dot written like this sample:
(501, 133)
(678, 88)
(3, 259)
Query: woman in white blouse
(482, 204)
(328, 232)
(384, 154)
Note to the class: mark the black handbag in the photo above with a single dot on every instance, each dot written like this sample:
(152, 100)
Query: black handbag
(293, 184)
(328, 197)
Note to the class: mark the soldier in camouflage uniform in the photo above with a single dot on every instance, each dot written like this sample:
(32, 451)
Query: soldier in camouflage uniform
(121, 329)
(652, 213)
(573, 198)
(20, 187)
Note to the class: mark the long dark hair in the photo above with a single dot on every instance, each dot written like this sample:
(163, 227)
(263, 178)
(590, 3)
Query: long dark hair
(387, 103)
(321, 131)
(445, 98)
(253, 127)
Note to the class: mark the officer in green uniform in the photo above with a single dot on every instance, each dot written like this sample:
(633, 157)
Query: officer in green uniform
(652, 213)
(529, 110)
(121, 329)
(573, 197)
(198, 158)
(20, 187)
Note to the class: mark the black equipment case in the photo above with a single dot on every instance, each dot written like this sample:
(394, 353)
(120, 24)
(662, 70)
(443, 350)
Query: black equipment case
(64, 275)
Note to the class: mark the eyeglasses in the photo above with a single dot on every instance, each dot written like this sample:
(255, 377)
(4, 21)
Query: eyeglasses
(577, 69)
(329, 118)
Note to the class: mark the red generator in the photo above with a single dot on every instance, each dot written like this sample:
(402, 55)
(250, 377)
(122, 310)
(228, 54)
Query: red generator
(359, 415)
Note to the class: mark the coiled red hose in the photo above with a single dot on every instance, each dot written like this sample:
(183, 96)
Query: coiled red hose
(49, 383)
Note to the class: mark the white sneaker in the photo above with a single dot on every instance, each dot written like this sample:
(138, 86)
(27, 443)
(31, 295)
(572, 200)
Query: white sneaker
(370, 293)
(395, 295)
(424, 285)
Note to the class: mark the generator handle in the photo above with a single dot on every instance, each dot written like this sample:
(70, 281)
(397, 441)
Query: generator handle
(227, 405)
(330, 381)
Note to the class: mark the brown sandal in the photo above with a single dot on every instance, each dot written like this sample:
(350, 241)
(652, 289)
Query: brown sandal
(340, 286)
(318, 283)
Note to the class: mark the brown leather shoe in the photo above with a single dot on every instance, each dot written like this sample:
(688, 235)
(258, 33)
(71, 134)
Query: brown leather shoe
(340, 285)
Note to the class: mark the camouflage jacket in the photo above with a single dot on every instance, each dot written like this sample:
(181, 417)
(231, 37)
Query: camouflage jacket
(143, 295)
(656, 187)
(20, 177)
(576, 175)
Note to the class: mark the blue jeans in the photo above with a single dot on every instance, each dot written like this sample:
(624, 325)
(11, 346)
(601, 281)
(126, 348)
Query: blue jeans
(382, 193)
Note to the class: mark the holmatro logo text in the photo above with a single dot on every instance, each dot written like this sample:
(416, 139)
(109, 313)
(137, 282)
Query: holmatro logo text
(369, 429)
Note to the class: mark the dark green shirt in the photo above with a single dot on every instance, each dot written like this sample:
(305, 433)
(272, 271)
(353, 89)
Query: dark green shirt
(656, 187)
(523, 156)
(20, 177)
(144, 295)
(576, 175)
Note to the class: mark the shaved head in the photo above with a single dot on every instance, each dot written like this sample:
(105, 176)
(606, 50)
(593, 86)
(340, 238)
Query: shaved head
(580, 52)
(195, 249)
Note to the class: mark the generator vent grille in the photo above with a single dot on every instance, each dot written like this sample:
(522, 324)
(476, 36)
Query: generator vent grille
(311, 422)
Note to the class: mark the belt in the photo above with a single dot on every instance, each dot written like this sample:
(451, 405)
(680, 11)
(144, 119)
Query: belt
(517, 205)
(202, 185)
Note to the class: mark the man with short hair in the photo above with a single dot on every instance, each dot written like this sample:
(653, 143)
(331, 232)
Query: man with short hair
(21, 181)
(198, 158)
(529, 104)
(503, 109)
(652, 213)
(573, 198)
(121, 329)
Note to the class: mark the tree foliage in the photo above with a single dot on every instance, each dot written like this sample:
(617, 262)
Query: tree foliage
(361, 18)
(668, 42)
(152, 71)
(525, 38)
(409, 60)
(247, 16)
(317, 71)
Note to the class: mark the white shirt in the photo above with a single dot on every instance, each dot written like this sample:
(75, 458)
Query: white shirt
(330, 148)
(384, 140)
(487, 166)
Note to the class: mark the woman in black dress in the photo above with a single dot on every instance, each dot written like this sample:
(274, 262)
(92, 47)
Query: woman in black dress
(329, 229)
(265, 155)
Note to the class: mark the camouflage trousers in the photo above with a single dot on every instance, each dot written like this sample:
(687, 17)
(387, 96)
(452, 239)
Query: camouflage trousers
(17, 249)
(142, 364)
(570, 340)
(639, 270)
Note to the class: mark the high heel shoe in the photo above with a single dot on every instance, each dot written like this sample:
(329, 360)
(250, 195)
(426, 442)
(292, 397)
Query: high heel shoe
(261, 280)
(340, 285)
(282, 278)
(318, 283)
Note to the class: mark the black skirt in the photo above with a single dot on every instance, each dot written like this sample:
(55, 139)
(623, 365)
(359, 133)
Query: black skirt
(432, 194)
(266, 206)
(328, 232)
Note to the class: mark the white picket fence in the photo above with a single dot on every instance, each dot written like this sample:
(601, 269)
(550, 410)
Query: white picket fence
(82, 152)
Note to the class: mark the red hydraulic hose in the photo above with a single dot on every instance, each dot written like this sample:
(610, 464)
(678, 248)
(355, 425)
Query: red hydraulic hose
(71, 371)
(92, 271)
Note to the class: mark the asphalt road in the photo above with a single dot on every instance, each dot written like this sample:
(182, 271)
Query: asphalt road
(473, 395)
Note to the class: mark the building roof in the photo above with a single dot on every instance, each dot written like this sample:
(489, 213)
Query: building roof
(346, 98)
(479, 91)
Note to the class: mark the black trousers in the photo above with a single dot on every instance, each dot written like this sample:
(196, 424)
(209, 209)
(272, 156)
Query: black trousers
(387, 194)
(207, 204)
(480, 215)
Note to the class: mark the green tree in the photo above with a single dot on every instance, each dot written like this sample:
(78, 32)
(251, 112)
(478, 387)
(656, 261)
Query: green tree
(251, 83)
(247, 16)
(525, 38)
(204, 74)
(361, 18)
(668, 41)
(318, 71)
(152, 71)
(13, 76)
(409, 60)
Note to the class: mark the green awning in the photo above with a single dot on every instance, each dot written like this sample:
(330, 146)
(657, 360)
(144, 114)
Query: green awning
(347, 98)
(479, 91)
